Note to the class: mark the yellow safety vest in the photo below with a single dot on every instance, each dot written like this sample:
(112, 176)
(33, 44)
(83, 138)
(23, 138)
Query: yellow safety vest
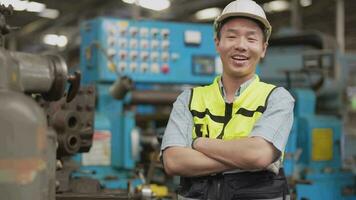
(214, 118)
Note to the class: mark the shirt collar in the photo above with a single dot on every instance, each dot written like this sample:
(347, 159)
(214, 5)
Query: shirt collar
(239, 91)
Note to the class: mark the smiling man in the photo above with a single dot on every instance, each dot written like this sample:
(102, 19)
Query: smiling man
(226, 140)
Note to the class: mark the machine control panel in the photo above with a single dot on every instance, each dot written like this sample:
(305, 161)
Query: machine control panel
(147, 51)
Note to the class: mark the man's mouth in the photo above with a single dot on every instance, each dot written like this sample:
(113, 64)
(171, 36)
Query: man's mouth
(239, 57)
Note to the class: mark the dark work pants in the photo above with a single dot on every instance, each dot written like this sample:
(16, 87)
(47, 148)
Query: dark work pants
(239, 186)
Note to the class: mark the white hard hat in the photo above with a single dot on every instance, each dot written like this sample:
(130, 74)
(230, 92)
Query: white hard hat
(244, 8)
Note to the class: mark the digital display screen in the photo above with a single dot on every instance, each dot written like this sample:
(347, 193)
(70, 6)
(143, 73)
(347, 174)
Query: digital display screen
(203, 65)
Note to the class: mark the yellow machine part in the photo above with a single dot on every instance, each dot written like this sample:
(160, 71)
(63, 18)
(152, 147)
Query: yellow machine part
(322, 145)
(159, 190)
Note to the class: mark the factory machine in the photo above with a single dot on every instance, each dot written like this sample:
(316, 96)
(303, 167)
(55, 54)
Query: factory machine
(45, 118)
(316, 76)
(138, 68)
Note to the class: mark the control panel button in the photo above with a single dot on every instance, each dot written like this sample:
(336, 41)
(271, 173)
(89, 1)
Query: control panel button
(133, 44)
(165, 44)
(133, 67)
(144, 32)
(154, 56)
(144, 67)
(144, 44)
(122, 67)
(175, 56)
(155, 68)
(165, 57)
(154, 32)
(122, 43)
(165, 69)
(111, 40)
(133, 55)
(123, 55)
(110, 52)
(165, 33)
(133, 31)
(144, 56)
(154, 44)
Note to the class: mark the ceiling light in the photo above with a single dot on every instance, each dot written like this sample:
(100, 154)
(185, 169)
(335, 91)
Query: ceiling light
(156, 5)
(35, 6)
(16, 4)
(276, 6)
(208, 13)
(129, 1)
(49, 13)
(305, 3)
(55, 40)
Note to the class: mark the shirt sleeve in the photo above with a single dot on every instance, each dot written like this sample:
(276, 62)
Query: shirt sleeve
(180, 124)
(276, 122)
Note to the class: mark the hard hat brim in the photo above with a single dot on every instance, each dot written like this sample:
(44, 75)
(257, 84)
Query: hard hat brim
(248, 15)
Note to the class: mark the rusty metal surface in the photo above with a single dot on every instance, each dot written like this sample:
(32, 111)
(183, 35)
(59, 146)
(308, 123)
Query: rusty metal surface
(72, 121)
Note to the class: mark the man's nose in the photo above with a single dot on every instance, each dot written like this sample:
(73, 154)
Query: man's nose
(240, 44)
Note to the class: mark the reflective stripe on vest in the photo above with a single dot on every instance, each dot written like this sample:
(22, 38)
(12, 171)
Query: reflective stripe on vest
(214, 118)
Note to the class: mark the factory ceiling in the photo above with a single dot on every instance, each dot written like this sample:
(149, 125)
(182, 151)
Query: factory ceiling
(31, 28)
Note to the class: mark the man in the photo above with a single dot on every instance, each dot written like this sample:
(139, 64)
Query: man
(226, 140)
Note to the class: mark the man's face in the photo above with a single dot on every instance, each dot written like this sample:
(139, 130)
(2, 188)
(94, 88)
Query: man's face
(240, 47)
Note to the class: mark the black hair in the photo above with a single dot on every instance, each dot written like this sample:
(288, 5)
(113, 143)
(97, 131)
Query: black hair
(260, 24)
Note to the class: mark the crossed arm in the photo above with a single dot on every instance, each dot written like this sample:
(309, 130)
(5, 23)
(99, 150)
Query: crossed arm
(214, 155)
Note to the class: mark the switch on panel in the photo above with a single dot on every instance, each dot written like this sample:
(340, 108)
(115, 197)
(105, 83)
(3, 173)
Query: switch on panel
(192, 37)
(123, 55)
(133, 55)
(133, 31)
(165, 33)
(144, 32)
(133, 44)
(122, 43)
(144, 56)
(154, 44)
(165, 44)
(154, 32)
(144, 44)
(111, 40)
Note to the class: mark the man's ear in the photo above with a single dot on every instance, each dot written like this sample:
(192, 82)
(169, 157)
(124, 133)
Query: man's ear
(264, 49)
(217, 42)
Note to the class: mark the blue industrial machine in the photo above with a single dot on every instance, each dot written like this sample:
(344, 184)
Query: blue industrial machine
(151, 61)
(314, 75)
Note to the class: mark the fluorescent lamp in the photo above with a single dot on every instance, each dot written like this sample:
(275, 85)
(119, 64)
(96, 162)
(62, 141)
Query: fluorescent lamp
(129, 1)
(35, 6)
(49, 13)
(156, 5)
(305, 3)
(208, 13)
(276, 6)
(16, 4)
(55, 40)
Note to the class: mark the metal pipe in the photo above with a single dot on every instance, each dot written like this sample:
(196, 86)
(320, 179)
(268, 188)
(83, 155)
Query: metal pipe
(154, 97)
(40, 73)
(340, 24)
(295, 18)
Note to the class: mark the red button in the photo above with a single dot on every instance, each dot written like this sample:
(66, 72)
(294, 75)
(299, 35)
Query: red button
(165, 69)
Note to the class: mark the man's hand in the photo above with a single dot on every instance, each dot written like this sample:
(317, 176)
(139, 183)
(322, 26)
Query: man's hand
(246, 153)
(183, 161)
